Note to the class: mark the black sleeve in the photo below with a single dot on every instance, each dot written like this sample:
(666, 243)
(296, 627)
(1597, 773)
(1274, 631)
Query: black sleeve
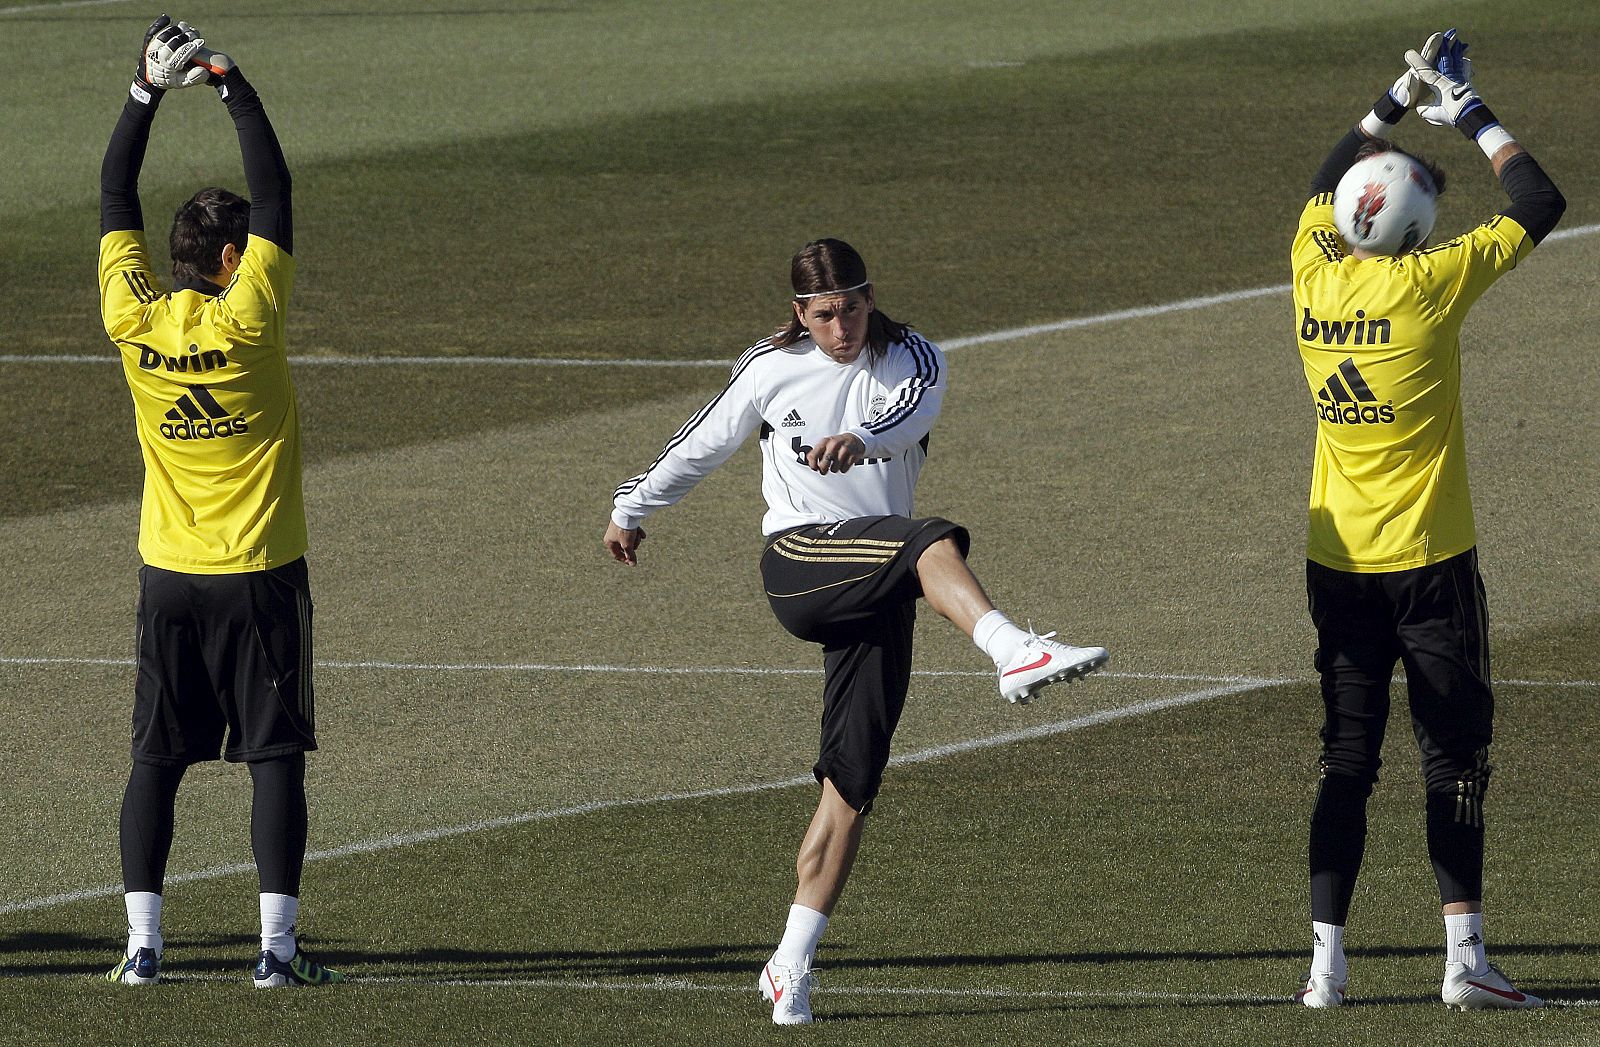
(265, 170)
(1536, 203)
(119, 171)
(1338, 162)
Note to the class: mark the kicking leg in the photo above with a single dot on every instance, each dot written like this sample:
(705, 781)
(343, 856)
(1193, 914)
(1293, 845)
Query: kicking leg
(1025, 662)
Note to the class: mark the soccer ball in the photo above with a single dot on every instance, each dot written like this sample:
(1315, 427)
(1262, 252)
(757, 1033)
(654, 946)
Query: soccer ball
(1385, 204)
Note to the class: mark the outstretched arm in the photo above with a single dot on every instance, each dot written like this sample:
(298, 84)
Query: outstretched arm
(119, 171)
(1379, 123)
(265, 170)
(1536, 203)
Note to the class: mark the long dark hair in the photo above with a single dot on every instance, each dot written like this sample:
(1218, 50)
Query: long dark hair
(206, 223)
(832, 265)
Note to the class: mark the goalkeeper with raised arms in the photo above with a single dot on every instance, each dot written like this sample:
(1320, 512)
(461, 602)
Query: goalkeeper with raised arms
(224, 614)
(1391, 557)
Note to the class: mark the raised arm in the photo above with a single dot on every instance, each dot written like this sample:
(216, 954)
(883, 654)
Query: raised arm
(119, 171)
(1536, 203)
(265, 170)
(1379, 123)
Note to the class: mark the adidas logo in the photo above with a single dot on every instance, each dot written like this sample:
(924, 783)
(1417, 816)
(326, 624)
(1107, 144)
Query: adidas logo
(198, 416)
(1350, 401)
(1338, 332)
(1469, 941)
(792, 420)
(194, 363)
(1316, 939)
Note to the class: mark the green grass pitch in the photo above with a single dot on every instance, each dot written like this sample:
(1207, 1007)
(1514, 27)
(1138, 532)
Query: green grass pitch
(520, 851)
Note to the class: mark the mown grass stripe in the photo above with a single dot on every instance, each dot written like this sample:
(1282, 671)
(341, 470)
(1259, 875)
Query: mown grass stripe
(1009, 334)
(508, 821)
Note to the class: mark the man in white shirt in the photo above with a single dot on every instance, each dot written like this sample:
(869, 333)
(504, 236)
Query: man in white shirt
(844, 398)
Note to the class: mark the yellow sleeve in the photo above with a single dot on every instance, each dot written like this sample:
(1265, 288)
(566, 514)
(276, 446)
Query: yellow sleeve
(257, 298)
(1457, 271)
(127, 282)
(1316, 241)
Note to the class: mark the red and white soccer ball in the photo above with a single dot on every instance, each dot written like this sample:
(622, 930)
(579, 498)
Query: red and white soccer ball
(1385, 204)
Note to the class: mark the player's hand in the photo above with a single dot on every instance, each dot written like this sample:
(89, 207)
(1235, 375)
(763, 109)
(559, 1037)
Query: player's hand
(1447, 77)
(168, 51)
(621, 543)
(215, 63)
(836, 454)
(1407, 90)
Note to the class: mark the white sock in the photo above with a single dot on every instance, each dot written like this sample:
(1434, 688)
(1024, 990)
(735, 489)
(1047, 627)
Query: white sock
(144, 921)
(800, 937)
(1463, 940)
(1327, 951)
(997, 637)
(278, 914)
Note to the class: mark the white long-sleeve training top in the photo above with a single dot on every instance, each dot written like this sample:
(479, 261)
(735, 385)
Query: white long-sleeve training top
(795, 396)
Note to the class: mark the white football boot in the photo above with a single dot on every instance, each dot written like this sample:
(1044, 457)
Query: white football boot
(1321, 991)
(789, 991)
(1041, 661)
(1488, 989)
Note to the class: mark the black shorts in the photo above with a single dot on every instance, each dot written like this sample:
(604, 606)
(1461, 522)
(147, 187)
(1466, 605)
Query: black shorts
(852, 587)
(1433, 620)
(223, 653)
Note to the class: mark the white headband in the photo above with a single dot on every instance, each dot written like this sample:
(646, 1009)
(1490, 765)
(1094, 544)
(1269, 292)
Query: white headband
(842, 290)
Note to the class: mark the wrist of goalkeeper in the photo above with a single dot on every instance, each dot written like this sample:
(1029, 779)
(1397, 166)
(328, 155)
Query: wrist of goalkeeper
(1481, 126)
(1386, 113)
(233, 88)
(142, 93)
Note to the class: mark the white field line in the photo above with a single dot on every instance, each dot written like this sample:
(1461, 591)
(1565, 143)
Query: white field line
(685, 985)
(660, 670)
(738, 670)
(1010, 334)
(36, 8)
(386, 843)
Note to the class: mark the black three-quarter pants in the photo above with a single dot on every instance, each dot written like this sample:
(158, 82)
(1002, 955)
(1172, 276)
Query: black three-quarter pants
(852, 587)
(223, 654)
(1434, 621)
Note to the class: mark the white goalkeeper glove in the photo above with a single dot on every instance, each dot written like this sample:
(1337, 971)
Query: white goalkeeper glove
(1405, 93)
(169, 56)
(1456, 102)
(1450, 61)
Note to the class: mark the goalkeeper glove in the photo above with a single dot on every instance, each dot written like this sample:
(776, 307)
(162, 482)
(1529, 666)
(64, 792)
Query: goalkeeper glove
(169, 51)
(1405, 93)
(1451, 61)
(1456, 102)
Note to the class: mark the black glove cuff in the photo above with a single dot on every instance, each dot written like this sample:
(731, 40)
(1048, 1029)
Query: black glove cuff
(234, 89)
(1387, 109)
(1474, 121)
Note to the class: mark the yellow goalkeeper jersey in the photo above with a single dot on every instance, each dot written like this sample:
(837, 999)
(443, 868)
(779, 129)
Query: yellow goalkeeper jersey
(1380, 342)
(214, 408)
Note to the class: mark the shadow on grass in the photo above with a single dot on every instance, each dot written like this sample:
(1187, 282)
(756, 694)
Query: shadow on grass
(1101, 958)
(69, 954)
